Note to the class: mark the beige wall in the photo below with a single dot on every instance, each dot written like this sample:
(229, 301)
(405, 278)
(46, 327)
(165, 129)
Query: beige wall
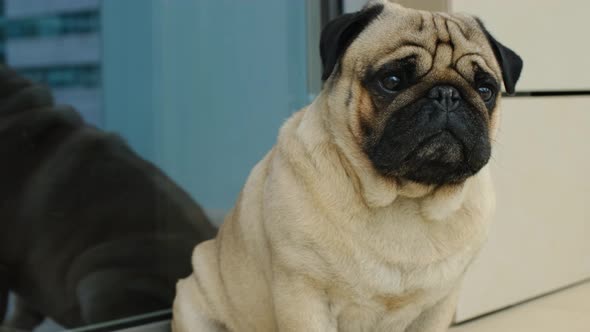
(539, 239)
(551, 36)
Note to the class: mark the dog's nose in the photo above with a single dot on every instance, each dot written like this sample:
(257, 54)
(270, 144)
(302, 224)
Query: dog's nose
(446, 96)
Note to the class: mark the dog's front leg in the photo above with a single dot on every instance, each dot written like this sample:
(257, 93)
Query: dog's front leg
(300, 305)
(437, 318)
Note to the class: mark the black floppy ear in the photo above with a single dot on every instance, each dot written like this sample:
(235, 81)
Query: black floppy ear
(339, 33)
(510, 62)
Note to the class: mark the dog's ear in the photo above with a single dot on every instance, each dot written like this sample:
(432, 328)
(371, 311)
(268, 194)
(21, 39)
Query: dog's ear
(339, 33)
(510, 62)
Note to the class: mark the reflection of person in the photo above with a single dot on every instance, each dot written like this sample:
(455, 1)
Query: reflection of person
(89, 231)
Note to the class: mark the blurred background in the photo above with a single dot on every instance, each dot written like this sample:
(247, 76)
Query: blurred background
(200, 88)
(172, 76)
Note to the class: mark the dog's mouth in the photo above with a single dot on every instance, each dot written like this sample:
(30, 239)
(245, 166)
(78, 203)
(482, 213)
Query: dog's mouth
(440, 158)
(422, 144)
(443, 147)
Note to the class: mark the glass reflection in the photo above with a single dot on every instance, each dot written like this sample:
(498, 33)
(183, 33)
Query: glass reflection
(91, 231)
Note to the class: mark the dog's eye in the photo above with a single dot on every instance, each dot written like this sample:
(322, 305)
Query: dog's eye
(390, 83)
(486, 93)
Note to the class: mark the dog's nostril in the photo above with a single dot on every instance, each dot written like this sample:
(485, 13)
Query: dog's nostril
(442, 92)
(447, 95)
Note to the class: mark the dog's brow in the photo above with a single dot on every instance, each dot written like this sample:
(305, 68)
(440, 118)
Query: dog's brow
(467, 54)
(408, 43)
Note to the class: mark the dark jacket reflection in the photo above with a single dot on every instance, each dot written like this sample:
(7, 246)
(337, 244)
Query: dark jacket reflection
(89, 231)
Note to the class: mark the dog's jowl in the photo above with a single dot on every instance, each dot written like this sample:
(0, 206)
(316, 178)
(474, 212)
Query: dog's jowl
(376, 197)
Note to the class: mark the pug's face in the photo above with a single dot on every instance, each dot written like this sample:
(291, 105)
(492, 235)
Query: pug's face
(420, 90)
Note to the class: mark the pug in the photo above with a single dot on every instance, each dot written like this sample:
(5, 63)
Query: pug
(367, 212)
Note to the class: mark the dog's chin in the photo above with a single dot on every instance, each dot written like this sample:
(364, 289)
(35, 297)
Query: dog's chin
(438, 160)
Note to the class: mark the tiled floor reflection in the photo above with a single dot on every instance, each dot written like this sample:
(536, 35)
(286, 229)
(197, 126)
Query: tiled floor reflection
(567, 311)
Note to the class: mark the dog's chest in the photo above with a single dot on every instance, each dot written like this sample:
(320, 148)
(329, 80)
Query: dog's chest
(375, 293)
(381, 305)
(391, 313)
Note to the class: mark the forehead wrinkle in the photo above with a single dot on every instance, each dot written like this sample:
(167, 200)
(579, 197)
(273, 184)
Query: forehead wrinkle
(488, 69)
(466, 45)
(463, 39)
(389, 53)
(457, 35)
(422, 22)
(440, 24)
(396, 54)
(459, 24)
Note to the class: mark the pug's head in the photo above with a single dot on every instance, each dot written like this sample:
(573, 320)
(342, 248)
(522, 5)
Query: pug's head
(418, 91)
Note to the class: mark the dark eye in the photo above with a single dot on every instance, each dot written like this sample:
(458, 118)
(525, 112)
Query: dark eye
(486, 93)
(390, 83)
